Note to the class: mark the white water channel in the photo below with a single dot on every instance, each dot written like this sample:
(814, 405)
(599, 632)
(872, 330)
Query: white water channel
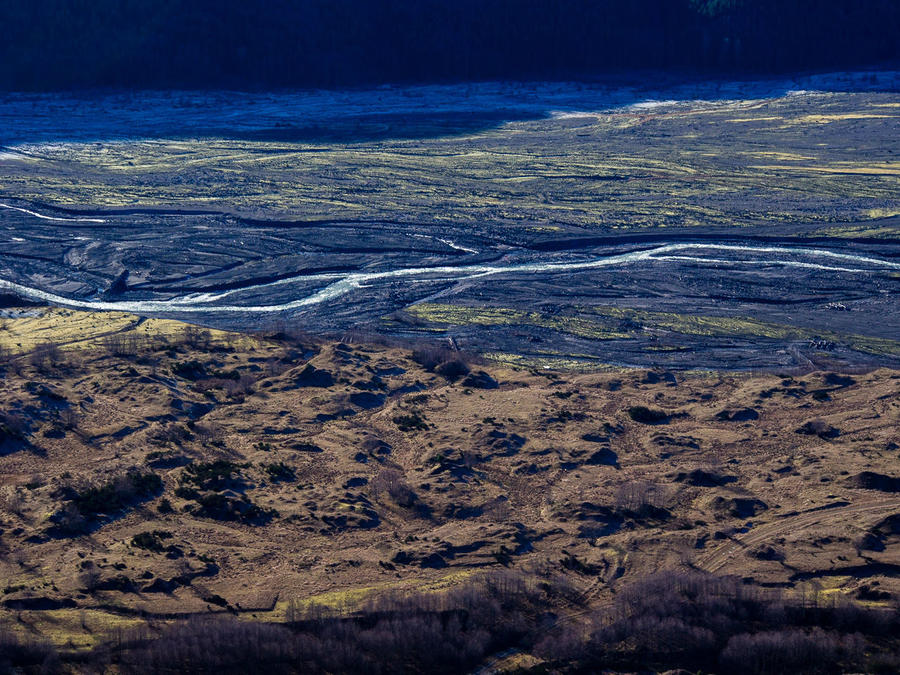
(342, 284)
(43, 217)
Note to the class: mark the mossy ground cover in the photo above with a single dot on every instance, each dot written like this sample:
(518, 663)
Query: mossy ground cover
(621, 323)
(673, 166)
(498, 316)
(23, 329)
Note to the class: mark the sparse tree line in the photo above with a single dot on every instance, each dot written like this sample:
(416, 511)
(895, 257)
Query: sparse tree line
(51, 44)
(669, 620)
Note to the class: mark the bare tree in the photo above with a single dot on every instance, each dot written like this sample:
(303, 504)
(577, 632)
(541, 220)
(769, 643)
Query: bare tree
(45, 356)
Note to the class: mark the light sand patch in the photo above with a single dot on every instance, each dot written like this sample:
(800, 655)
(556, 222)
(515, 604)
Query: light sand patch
(886, 169)
(742, 120)
(825, 119)
(883, 213)
(785, 156)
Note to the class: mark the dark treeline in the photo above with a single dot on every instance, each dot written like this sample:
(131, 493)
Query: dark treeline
(693, 621)
(49, 44)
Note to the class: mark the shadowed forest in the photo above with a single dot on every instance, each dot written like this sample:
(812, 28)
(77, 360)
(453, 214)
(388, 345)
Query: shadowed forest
(687, 620)
(52, 44)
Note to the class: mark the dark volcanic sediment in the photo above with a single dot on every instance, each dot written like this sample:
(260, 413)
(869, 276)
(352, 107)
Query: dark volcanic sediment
(763, 300)
(719, 224)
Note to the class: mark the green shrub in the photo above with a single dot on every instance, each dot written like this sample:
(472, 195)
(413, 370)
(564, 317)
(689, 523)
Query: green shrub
(279, 472)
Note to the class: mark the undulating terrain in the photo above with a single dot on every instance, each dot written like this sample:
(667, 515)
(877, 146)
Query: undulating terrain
(153, 472)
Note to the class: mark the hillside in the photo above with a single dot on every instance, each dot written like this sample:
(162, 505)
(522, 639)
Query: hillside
(60, 44)
(153, 473)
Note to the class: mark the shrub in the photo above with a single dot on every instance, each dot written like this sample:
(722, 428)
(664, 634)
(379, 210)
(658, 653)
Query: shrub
(414, 633)
(220, 507)
(196, 338)
(20, 655)
(393, 482)
(412, 421)
(279, 472)
(217, 475)
(189, 370)
(45, 355)
(150, 541)
(13, 427)
(118, 493)
(453, 369)
(645, 415)
(431, 356)
(124, 344)
(698, 621)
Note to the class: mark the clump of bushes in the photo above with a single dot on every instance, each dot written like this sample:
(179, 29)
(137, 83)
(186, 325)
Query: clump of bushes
(222, 507)
(411, 421)
(189, 370)
(279, 472)
(218, 475)
(645, 415)
(108, 499)
(204, 482)
(45, 357)
(151, 541)
(416, 633)
(699, 622)
(393, 482)
(670, 620)
(20, 654)
(13, 427)
(819, 428)
(449, 363)
(117, 494)
(431, 356)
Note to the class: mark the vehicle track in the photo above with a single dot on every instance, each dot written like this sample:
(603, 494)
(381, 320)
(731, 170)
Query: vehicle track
(716, 559)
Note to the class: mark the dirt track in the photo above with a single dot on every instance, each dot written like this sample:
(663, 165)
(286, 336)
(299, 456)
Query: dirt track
(870, 510)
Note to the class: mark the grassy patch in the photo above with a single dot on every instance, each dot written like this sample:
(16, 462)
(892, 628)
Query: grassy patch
(720, 326)
(501, 316)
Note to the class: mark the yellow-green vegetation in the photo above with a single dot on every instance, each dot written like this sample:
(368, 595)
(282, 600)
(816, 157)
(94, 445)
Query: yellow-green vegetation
(840, 117)
(349, 600)
(606, 327)
(561, 362)
(498, 316)
(68, 329)
(888, 212)
(688, 324)
(583, 169)
(859, 231)
(27, 328)
(784, 156)
(76, 629)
